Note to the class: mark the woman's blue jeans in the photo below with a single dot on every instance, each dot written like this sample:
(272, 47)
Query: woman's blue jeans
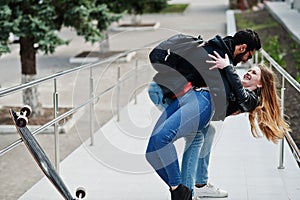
(199, 145)
(187, 117)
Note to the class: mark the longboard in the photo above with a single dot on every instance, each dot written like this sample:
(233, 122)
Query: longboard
(20, 120)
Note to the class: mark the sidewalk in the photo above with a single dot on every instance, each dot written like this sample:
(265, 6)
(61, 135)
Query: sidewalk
(115, 167)
(206, 18)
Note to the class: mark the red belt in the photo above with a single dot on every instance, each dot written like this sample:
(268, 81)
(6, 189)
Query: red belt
(186, 88)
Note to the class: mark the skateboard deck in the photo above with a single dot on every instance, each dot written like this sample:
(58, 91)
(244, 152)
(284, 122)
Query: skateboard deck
(41, 158)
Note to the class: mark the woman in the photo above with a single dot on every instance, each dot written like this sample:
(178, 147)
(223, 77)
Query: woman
(267, 112)
(193, 111)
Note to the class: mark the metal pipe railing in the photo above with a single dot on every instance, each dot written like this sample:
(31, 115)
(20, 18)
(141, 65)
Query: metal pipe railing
(18, 88)
(56, 134)
(93, 97)
(296, 85)
(118, 93)
(91, 107)
(54, 77)
(56, 120)
(286, 75)
(281, 151)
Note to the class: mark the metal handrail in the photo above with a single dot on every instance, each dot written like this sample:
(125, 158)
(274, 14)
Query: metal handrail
(286, 75)
(57, 119)
(296, 85)
(17, 88)
(14, 89)
(62, 116)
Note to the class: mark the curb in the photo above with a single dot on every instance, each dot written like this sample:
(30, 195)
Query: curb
(121, 29)
(83, 60)
(230, 19)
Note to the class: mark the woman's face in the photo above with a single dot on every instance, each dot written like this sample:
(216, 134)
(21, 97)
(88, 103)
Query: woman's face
(252, 79)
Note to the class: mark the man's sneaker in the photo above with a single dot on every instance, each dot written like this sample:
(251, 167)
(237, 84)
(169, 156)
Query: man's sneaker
(209, 191)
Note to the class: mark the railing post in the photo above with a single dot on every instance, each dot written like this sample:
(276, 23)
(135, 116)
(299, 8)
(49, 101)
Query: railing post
(91, 106)
(262, 58)
(135, 79)
(56, 134)
(256, 58)
(292, 4)
(118, 94)
(281, 150)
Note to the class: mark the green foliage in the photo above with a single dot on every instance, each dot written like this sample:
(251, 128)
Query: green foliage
(174, 8)
(273, 48)
(41, 19)
(294, 48)
(104, 16)
(5, 26)
(155, 6)
(273, 45)
(136, 6)
(243, 23)
(3, 48)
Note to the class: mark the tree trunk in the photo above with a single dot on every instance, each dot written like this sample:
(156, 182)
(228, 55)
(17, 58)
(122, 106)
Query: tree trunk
(136, 19)
(27, 53)
(31, 96)
(28, 63)
(104, 44)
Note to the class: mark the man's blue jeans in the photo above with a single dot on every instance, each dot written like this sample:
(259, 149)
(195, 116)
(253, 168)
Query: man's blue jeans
(197, 148)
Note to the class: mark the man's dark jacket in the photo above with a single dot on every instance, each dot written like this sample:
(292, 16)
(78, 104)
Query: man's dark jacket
(237, 98)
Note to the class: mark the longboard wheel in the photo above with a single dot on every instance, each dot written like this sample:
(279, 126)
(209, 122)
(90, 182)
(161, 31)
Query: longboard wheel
(80, 193)
(22, 121)
(26, 110)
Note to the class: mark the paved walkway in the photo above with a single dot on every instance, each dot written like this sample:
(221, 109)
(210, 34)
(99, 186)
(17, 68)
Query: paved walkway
(115, 167)
(72, 89)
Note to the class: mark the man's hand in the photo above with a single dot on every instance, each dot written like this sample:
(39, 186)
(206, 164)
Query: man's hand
(236, 113)
(220, 63)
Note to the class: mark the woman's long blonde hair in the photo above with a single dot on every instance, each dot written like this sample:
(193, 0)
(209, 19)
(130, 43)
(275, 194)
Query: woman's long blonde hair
(267, 114)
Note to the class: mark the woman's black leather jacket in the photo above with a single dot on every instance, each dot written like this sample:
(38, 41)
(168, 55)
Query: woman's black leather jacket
(242, 99)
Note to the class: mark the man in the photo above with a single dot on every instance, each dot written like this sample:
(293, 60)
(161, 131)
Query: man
(239, 48)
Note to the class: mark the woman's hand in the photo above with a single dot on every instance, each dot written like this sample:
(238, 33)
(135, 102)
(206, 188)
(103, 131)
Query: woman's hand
(219, 62)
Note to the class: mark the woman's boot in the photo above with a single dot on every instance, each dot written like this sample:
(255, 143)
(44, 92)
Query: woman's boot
(181, 193)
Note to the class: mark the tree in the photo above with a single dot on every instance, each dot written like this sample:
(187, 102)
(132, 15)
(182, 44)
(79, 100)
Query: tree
(136, 7)
(36, 23)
